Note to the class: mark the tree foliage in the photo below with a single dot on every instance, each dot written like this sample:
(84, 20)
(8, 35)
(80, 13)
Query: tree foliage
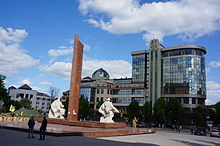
(133, 110)
(4, 95)
(160, 110)
(25, 103)
(99, 104)
(217, 114)
(199, 116)
(175, 113)
(84, 109)
(170, 111)
(147, 111)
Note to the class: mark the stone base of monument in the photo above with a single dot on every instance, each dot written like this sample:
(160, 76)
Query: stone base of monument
(66, 130)
(90, 124)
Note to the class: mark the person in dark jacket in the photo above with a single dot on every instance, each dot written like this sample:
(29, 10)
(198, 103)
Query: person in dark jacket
(43, 128)
(31, 124)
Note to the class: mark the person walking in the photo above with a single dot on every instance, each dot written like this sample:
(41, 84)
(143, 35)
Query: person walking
(134, 122)
(31, 124)
(43, 128)
(180, 127)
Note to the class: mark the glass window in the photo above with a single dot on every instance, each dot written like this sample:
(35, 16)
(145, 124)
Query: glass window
(102, 91)
(97, 91)
(186, 100)
(193, 100)
(188, 51)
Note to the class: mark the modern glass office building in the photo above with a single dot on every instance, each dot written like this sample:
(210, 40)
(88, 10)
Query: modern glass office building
(171, 72)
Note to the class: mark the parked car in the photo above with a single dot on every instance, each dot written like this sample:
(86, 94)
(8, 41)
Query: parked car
(200, 131)
(215, 132)
(142, 125)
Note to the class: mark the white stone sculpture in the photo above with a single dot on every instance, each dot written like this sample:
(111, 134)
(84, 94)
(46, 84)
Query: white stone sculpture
(57, 110)
(107, 110)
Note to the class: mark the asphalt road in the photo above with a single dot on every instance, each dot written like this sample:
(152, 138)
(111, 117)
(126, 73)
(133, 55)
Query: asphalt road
(169, 138)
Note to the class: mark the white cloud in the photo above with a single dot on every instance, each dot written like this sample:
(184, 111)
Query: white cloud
(87, 47)
(213, 92)
(189, 19)
(214, 64)
(12, 58)
(38, 89)
(115, 68)
(64, 50)
(25, 81)
(61, 69)
(46, 83)
(59, 52)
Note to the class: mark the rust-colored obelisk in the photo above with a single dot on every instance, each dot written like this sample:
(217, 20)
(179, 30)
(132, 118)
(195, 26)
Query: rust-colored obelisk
(75, 80)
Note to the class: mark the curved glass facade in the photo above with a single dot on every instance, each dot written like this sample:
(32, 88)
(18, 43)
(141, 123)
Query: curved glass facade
(99, 74)
(183, 74)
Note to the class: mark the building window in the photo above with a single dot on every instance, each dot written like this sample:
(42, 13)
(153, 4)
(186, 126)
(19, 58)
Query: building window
(101, 98)
(43, 103)
(97, 99)
(26, 96)
(108, 91)
(102, 91)
(190, 100)
(37, 102)
(200, 101)
(193, 100)
(186, 100)
(31, 96)
(97, 91)
(21, 95)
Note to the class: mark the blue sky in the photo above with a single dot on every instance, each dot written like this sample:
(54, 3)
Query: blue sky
(36, 37)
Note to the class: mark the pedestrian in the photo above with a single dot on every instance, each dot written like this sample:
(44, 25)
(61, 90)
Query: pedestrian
(173, 127)
(134, 122)
(31, 124)
(192, 131)
(180, 127)
(43, 128)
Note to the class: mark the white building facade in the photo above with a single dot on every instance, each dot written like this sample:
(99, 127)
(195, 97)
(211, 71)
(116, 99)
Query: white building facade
(39, 101)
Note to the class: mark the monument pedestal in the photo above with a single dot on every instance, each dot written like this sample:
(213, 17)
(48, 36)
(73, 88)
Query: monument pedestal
(90, 124)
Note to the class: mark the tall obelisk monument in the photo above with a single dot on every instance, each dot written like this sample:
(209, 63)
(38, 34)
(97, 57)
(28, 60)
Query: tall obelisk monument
(75, 80)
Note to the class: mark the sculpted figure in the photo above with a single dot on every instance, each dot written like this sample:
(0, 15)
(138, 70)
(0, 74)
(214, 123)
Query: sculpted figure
(57, 110)
(107, 110)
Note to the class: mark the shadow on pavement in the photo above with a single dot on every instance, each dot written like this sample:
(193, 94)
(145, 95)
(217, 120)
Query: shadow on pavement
(17, 138)
(188, 143)
(217, 144)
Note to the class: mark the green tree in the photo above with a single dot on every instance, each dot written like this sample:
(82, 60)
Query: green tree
(160, 110)
(133, 110)
(147, 111)
(199, 116)
(4, 95)
(217, 114)
(175, 113)
(84, 108)
(99, 104)
(25, 103)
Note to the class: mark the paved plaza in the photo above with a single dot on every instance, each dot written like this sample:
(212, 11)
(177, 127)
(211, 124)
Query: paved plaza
(162, 137)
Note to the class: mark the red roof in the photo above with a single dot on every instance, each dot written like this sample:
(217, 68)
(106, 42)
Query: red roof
(25, 87)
